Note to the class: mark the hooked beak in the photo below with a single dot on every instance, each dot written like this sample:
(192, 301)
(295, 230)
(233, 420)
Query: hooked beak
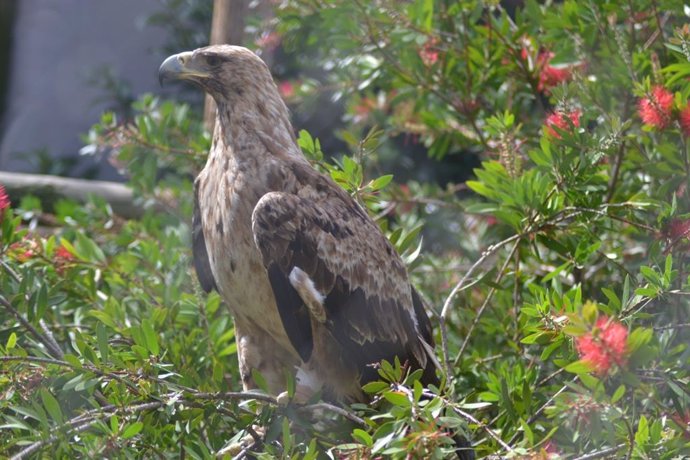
(180, 67)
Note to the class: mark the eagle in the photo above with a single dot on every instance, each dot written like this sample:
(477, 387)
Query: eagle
(313, 285)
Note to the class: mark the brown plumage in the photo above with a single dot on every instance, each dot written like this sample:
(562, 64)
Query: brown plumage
(315, 288)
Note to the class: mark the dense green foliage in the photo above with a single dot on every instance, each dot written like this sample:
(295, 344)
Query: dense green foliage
(561, 304)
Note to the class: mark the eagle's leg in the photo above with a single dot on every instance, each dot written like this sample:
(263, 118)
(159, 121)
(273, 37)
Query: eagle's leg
(257, 351)
(307, 384)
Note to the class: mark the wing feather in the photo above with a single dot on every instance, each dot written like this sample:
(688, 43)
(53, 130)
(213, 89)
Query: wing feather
(201, 262)
(370, 307)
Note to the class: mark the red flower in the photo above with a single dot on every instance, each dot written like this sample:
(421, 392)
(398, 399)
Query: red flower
(677, 234)
(655, 109)
(62, 258)
(685, 120)
(550, 76)
(63, 253)
(604, 346)
(428, 53)
(4, 202)
(24, 250)
(286, 89)
(560, 121)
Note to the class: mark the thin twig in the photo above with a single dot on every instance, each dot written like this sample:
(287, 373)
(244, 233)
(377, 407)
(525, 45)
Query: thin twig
(460, 286)
(75, 426)
(615, 172)
(88, 419)
(469, 418)
(541, 409)
(85, 366)
(52, 350)
(489, 296)
(336, 410)
(601, 453)
(672, 326)
(481, 425)
(49, 336)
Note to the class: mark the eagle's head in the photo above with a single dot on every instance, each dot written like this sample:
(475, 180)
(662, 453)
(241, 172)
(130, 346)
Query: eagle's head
(228, 73)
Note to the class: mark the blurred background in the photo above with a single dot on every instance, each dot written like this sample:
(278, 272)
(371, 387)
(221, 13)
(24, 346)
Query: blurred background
(61, 65)
(64, 63)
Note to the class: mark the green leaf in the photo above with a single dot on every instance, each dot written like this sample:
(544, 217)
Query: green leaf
(150, 336)
(532, 338)
(11, 341)
(489, 396)
(381, 182)
(397, 398)
(479, 187)
(506, 400)
(87, 249)
(614, 301)
(114, 424)
(638, 337)
(363, 437)
(651, 275)
(51, 405)
(104, 317)
(102, 340)
(375, 387)
(579, 367)
(618, 394)
(132, 430)
(642, 434)
(73, 360)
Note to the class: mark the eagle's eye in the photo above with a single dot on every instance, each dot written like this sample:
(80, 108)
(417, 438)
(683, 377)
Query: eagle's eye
(212, 60)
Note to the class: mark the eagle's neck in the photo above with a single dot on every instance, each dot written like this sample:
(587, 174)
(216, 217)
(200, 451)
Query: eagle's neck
(256, 118)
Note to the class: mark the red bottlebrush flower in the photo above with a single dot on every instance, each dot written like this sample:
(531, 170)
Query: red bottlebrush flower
(286, 89)
(677, 234)
(24, 250)
(560, 121)
(428, 53)
(605, 346)
(655, 109)
(685, 120)
(62, 258)
(63, 254)
(4, 202)
(550, 76)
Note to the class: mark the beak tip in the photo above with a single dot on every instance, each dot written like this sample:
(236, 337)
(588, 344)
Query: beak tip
(169, 69)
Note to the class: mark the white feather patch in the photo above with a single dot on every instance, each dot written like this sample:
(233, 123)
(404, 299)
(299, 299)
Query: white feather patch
(308, 379)
(308, 292)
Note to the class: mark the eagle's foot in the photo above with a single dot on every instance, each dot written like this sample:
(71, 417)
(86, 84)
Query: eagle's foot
(283, 398)
(302, 395)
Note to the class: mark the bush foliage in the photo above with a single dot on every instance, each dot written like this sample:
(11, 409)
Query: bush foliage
(561, 304)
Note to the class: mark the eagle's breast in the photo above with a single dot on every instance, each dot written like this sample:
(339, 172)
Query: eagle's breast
(228, 191)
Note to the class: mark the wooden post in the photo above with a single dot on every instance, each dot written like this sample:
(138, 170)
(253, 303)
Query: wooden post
(227, 27)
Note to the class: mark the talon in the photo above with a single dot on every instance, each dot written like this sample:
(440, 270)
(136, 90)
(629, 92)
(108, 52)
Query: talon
(302, 394)
(283, 398)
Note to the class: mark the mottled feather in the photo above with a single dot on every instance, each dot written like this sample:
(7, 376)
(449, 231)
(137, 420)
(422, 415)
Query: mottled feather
(313, 285)
(371, 309)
